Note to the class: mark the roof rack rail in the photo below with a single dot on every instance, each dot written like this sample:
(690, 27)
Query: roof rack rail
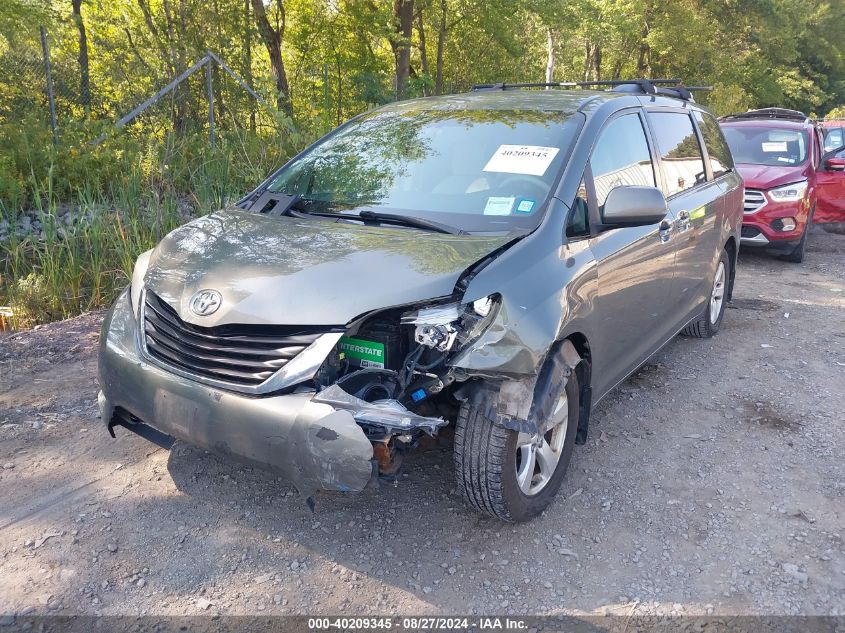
(667, 87)
(769, 113)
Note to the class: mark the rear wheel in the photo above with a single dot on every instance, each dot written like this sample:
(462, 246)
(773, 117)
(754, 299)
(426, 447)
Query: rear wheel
(509, 475)
(710, 320)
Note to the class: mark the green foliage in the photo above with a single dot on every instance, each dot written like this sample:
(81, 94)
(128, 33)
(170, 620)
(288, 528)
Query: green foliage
(99, 207)
(34, 302)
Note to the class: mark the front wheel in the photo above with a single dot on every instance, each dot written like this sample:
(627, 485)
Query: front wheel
(796, 255)
(509, 475)
(710, 320)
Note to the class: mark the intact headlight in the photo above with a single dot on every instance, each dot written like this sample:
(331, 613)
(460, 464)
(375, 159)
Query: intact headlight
(141, 265)
(440, 326)
(789, 193)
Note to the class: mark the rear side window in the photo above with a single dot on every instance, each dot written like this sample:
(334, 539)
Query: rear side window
(621, 157)
(683, 164)
(721, 161)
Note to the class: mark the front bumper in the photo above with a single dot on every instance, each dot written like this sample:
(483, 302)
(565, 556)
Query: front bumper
(311, 444)
(760, 228)
(754, 237)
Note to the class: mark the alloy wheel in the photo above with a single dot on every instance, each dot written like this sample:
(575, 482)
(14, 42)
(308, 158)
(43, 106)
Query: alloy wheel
(717, 296)
(537, 456)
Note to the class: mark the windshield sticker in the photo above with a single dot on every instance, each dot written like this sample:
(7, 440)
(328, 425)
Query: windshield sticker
(498, 206)
(774, 147)
(525, 206)
(532, 160)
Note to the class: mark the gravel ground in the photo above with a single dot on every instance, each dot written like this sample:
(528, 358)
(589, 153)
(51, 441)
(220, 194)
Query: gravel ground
(713, 482)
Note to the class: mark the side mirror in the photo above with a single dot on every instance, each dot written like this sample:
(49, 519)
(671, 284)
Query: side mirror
(632, 205)
(835, 163)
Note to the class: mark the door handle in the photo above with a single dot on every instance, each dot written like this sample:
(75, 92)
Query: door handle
(665, 230)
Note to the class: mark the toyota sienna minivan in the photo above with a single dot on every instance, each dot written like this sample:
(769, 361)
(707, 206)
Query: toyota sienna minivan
(492, 262)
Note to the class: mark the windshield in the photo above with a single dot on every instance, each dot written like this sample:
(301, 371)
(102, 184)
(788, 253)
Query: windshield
(479, 170)
(766, 146)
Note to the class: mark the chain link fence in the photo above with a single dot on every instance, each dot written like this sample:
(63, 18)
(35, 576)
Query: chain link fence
(23, 81)
(37, 85)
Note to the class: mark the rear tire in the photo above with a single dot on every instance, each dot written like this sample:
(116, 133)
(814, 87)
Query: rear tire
(710, 321)
(489, 458)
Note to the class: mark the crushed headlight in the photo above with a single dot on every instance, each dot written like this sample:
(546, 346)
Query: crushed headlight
(434, 315)
(789, 193)
(438, 327)
(482, 306)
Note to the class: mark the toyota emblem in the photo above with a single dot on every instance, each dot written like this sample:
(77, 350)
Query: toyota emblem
(206, 302)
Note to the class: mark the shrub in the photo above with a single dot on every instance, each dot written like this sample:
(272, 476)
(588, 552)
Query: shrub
(33, 302)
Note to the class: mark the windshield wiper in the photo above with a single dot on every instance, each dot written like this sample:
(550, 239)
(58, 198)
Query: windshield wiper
(406, 220)
(298, 206)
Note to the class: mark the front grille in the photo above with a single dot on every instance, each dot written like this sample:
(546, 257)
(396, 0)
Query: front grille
(239, 354)
(754, 200)
(749, 232)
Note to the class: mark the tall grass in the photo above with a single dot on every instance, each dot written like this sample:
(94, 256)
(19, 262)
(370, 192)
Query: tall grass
(74, 266)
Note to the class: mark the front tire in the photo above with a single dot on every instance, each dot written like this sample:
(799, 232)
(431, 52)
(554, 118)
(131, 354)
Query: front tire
(796, 255)
(710, 320)
(510, 475)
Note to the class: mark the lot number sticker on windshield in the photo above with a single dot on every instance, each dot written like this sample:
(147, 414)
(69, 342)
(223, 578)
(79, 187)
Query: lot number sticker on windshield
(778, 146)
(533, 160)
(498, 206)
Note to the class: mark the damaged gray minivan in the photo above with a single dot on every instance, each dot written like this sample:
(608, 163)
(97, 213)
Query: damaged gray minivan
(485, 265)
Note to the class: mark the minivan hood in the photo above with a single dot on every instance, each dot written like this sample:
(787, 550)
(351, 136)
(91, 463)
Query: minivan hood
(292, 271)
(768, 177)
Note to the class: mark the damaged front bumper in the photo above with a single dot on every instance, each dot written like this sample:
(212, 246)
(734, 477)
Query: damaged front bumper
(316, 445)
(388, 414)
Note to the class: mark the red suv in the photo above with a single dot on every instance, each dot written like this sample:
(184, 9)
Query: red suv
(789, 178)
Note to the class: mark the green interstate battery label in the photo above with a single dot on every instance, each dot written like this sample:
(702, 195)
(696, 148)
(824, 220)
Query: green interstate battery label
(364, 353)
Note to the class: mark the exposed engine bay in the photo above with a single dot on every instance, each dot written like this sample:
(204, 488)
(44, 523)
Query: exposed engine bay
(391, 371)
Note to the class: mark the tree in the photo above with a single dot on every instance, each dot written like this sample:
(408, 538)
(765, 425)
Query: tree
(423, 52)
(84, 69)
(550, 55)
(400, 41)
(327, 60)
(272, 37)
(441, 47)
(247, 46)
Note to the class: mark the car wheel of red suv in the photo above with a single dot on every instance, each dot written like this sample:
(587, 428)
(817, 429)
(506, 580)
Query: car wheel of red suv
(796, 255)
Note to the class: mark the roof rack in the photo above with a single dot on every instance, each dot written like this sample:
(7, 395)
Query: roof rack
(769, 113)
(667, 87)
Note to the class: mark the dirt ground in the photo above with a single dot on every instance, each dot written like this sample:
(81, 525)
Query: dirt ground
(713, 482)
